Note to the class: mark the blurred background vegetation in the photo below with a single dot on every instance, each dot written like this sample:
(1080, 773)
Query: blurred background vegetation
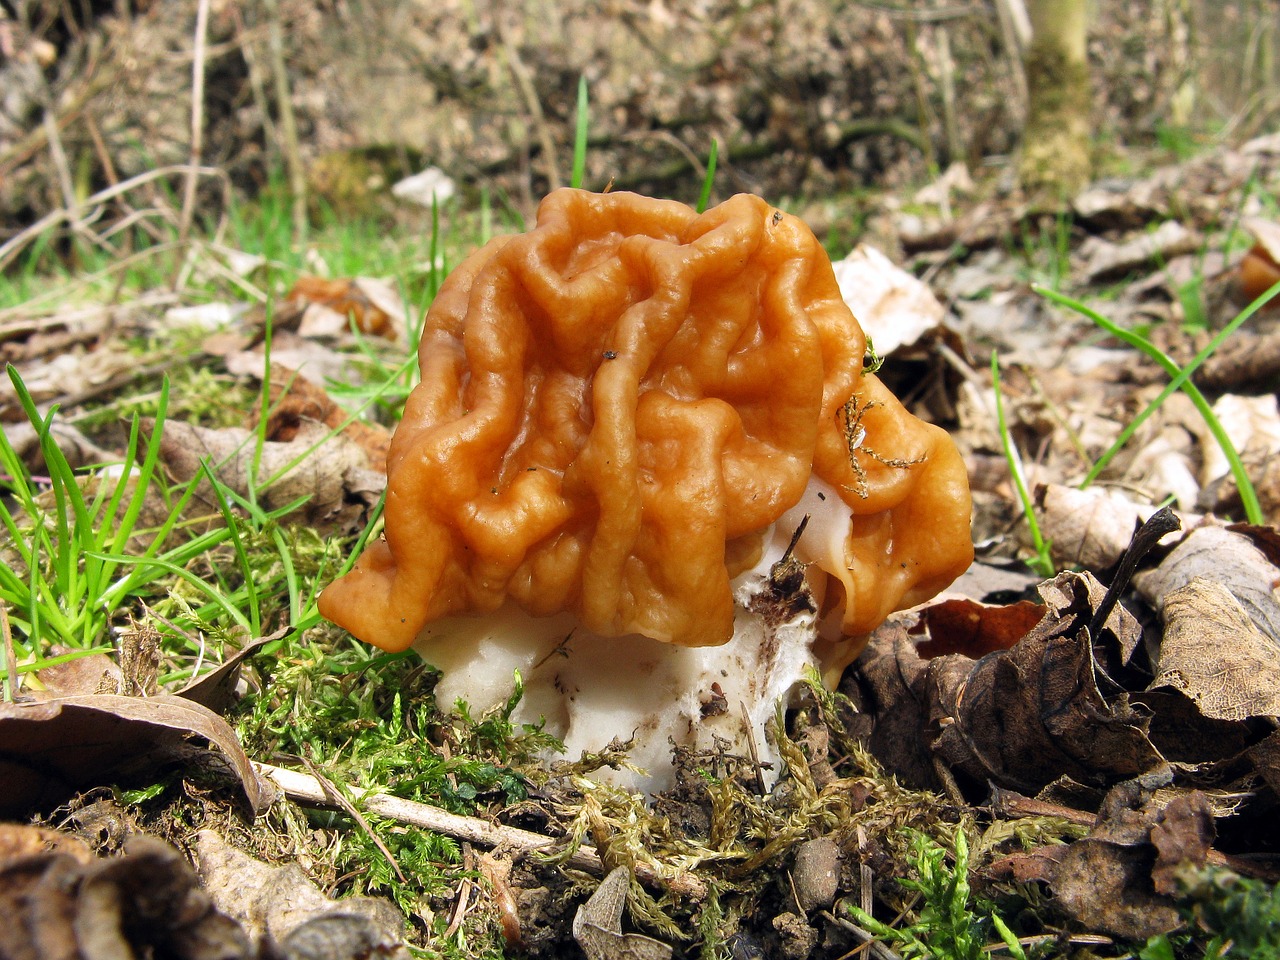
(333, 101)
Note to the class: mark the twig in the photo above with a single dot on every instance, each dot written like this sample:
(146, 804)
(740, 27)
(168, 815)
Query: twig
(288, 124)
(11, 247)
(334, 796)
(307, 789)
(197, 121)
(10, 659)
(525, 84)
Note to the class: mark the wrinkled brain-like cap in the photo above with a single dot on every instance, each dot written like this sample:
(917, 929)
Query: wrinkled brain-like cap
(613, 409)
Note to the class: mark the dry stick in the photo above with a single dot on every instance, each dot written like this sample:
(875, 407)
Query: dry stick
(288, 125)
(10, 660)
(307, 789)
(197, 121)
(525, 84)
(11, 247)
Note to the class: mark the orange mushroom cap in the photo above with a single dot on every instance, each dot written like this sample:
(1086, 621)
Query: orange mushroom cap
(615, 407)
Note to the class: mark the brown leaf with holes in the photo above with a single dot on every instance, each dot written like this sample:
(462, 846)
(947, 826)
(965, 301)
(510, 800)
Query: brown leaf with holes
(53, 748)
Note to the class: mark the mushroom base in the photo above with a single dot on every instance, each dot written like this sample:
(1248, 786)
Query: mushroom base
(591, 690)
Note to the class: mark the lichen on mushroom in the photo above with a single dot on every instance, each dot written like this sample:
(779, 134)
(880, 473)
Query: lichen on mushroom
(624, 415)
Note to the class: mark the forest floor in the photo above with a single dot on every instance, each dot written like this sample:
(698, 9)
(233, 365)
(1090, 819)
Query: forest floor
(1081, 760)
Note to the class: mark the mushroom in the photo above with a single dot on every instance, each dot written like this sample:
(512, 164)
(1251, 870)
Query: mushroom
(625, 416)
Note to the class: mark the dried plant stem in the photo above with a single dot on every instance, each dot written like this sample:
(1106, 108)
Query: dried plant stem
(288, 123)
(197, 121)
(307, 789)
(10, 659)
(11, 247)
(520, 73)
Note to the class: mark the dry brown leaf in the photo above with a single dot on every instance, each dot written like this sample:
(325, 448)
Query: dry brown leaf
(95, 673)
(976, 629)
(216, 689)
(75, 446)
(23, 840)
(285, 914)
(892, 306)
(597, 926)
(1090, 527)
(54, 747)
(373, 305)
(1252, 423)
(1020, 718)
(1105, 887)
(295, 399)
(1029, 715)
(1109, 261)
(327, 469)
(1183, 836)
(1230, 559)
(1116, 880)
(1214, 654)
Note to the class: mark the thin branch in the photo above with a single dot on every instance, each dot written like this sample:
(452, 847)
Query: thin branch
(14, 245)
(307, 789)
(524, 82)
(197, 121)
(288, 122)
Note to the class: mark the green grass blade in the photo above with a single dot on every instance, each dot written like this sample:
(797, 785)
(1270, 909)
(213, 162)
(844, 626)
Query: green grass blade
(237, 544)
(146, 472)
(705, 197)
(580, 137)
(164, 566)
(1176, 383)
(1248, 496)
(1042, 563)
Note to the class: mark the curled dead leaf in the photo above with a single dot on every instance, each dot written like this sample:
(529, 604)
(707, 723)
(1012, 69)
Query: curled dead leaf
(147, 902)
(1228, 558)
(55, 747)
(373, 305)
(1022, 717)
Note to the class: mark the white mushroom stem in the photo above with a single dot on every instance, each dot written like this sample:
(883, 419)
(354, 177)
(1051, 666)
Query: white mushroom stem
(593, 689)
